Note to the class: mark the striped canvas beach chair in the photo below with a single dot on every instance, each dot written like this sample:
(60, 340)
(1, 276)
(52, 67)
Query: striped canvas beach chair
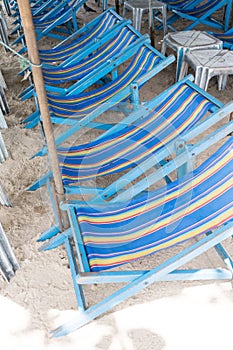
(180, 4)
(227, 38)
(136, 145)
(107, 236)
(204, 13)
(52, 23)
(88, 38)
(145, 64)
(117, 50)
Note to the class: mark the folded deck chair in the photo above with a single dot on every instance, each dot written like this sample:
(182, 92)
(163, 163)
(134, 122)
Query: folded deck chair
(38, 10)
(8, 262)
(203, 13)
(146, 63)
(137, 144)
(118, 49)
(108, 236)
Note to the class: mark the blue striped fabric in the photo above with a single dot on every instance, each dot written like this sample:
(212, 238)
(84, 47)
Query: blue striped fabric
(199, 202)
(80, 105)
(179, 112)
(76, 71)
(200, 10)
(41, 22)
(78, 43)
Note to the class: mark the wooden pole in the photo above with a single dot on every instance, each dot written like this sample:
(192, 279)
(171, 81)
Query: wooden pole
(30, 36)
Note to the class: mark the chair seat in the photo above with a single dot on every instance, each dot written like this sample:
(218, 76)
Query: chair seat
(201, 201)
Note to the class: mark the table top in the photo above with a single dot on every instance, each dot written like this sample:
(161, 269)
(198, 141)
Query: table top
(217, 59)
(192, 38)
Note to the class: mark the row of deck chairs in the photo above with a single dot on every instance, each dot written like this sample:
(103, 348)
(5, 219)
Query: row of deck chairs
(88, 61)
(4, 109)
(129, 219)
(8, 261)
(55, 19)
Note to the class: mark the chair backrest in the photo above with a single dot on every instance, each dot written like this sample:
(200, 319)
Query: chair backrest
(200, 9)
(199, 202)
(79, 105)
(77, 70)
(82, 39)
(179, 112)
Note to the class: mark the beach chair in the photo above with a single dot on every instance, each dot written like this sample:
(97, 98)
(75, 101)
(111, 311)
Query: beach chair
(58, 23)
(203, 13)
(89, 37)
(178, 3)
(135, 145)
(118, 49)
(77, 104)
(195, 213)
(8, 261)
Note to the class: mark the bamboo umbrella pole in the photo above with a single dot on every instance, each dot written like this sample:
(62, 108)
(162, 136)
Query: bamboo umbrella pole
(30, 36)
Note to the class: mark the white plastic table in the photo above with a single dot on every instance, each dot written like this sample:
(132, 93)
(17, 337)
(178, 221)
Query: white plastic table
(207, 64)
(185, 41)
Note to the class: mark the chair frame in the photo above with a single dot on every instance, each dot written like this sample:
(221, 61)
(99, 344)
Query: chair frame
(190, 13)
(139, 279)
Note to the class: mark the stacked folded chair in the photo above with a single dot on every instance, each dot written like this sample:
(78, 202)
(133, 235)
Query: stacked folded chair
(8, 262)
(129, 219)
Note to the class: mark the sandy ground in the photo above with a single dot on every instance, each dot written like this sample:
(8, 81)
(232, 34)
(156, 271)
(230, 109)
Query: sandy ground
(169, 316)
